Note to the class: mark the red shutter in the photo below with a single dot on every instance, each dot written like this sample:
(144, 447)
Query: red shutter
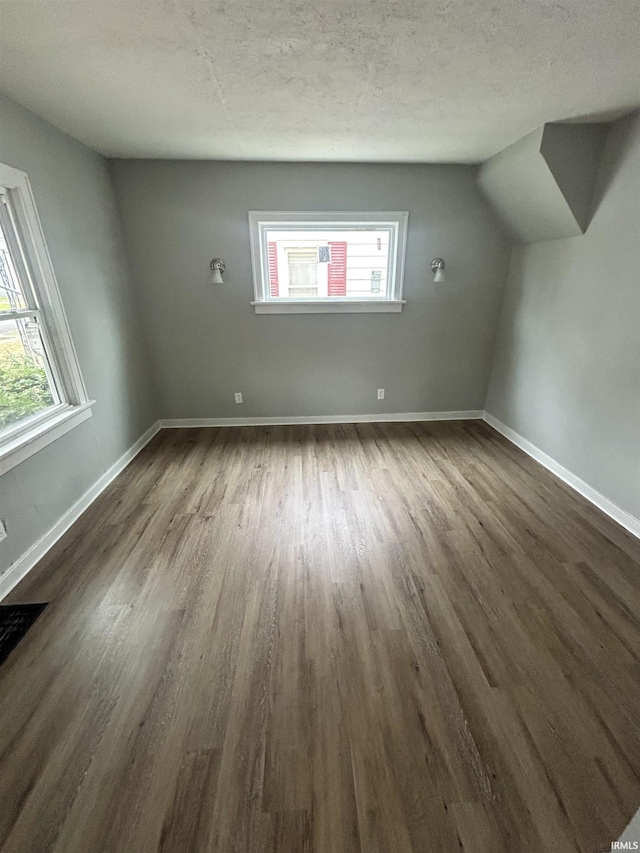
(338, 269)
(273, 269)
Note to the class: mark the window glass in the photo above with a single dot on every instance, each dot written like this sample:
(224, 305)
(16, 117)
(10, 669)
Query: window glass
(328, 262)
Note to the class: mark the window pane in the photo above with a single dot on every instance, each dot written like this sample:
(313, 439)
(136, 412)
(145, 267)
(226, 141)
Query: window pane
(11, 295)
(303, 272)
(327, 263)
(26, 386)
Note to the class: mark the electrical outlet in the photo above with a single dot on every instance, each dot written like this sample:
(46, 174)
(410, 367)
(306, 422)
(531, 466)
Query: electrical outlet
(3, 530)
(238, 396)
(380, 393)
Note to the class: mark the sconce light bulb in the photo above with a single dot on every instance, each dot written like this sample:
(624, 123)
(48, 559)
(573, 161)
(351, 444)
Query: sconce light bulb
(217, 267)
(437, 268)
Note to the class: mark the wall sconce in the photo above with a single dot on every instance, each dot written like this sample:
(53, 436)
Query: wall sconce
(217, 267)
(437, 268)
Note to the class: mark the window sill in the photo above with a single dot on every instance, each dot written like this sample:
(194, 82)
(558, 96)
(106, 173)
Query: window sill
(16, 450)
(369, 306)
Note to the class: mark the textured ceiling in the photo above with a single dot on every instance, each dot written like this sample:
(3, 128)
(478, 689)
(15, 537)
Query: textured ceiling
(379, 80)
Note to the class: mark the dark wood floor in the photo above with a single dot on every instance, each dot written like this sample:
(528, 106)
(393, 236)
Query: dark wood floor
(373, 638)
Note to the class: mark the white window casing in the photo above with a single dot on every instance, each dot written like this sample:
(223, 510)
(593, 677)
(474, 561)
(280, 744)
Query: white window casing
(30, 258)
(392, 227)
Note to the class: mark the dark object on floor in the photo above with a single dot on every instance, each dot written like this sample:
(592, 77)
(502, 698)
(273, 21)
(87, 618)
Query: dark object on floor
(15, 621)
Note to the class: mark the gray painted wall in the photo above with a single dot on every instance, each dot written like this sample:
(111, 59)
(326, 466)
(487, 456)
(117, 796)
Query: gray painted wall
(572, 153)
(542, 185)
(566, 374)
(206, 341)
(75, 201)
(518, 184)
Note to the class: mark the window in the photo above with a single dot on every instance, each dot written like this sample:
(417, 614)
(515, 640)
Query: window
(41, 390)
(327, 262)
(303, 272)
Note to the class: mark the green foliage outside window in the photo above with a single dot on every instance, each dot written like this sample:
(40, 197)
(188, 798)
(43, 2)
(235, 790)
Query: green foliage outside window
(24, 389)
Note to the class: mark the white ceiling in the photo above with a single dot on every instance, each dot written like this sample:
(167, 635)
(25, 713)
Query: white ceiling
(367, 80)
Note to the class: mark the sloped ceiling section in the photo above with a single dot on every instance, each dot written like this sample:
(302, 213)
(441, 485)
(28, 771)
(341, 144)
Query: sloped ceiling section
(542, 186)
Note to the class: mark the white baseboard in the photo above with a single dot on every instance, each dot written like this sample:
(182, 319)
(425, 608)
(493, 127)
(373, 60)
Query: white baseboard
(27, 561)
(395, 417)
(625, 519)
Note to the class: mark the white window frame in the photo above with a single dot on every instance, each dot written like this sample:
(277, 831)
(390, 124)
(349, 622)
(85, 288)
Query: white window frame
(261, 221)
(30, 435)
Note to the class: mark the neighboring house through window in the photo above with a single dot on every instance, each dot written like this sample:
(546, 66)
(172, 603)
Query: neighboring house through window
(328, 262)
(303, 271)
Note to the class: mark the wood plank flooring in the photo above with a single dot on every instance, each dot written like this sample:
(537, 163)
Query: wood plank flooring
(394, 638)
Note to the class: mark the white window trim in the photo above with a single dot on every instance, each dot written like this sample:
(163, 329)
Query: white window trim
(32, 434)
(263, 220)
(64, 418)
